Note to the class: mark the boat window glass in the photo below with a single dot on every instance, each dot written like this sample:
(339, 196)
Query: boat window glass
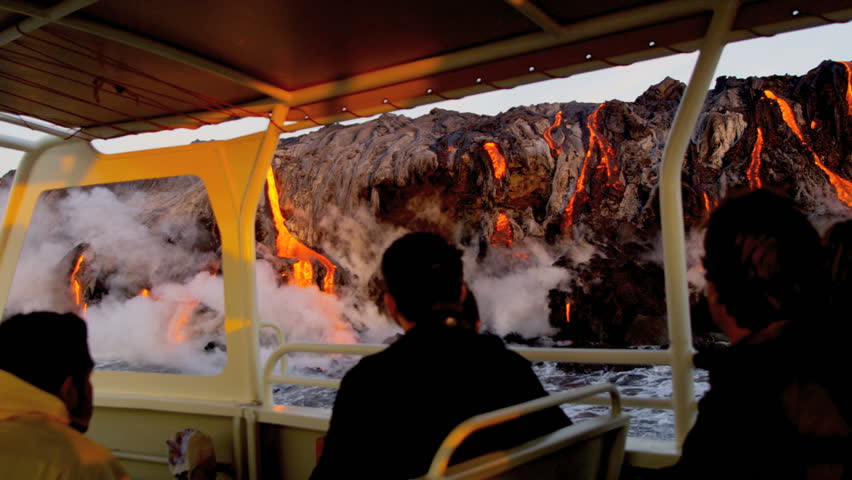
(140, 262)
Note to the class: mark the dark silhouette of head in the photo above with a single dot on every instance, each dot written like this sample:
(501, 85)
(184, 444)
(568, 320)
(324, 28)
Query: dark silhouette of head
(763, 259)
(423, 275)
(838, 239)
(50, 351)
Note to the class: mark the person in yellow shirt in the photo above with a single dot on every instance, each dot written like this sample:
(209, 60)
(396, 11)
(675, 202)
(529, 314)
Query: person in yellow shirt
(46, 401)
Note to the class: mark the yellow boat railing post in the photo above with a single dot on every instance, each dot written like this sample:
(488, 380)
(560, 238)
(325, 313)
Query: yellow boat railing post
(671, 213)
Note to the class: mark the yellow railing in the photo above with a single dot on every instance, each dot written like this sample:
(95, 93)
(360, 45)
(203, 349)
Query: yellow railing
(563, 355)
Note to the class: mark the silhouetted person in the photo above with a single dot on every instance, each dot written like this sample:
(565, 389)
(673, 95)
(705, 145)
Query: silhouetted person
(395, 408)
(46, 401)
(767, 413)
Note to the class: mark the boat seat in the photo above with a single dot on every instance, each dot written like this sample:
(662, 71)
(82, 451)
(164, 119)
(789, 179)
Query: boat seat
(590, 449)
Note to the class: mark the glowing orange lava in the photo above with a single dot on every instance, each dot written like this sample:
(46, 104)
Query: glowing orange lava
(178, 333)
(568, 312)
(605, 150)
(753, 172)
(548, 134)
(813, 124)
(707, 205)
(75, 283)
(848, 66)
(497, 160)
(287, 245)
(842, 186)
(303, 273)
(606, 160)
(145, 292)
(502, 232)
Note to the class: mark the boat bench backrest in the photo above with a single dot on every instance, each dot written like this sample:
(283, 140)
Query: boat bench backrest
(592, 449)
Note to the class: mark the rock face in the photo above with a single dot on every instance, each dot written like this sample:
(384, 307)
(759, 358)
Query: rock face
(580, 174)
(575, 180)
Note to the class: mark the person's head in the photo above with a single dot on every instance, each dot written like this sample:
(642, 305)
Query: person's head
(51, 352)
(423, 277)
(762, 259)
(838, 240)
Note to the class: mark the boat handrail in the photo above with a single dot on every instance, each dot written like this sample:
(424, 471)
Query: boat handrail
(565, 355)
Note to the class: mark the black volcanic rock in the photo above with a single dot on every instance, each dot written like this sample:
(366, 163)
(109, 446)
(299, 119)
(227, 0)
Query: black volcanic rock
(401, 169)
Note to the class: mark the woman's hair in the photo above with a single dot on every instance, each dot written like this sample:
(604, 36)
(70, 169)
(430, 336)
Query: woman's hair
(764, 259)
(423, 274)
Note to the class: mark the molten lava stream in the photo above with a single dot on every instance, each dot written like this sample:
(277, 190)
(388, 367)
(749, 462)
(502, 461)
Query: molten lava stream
(848, 66)
(842, 186)
(75, 283)
(497, 161)
(607, 160)
(503, 233)
(548, 134)
(753, 172)
(707, 205)
(287, 246)
(180, 320)
(568, 312)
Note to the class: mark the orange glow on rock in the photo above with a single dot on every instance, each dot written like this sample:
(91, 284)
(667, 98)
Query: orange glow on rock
(605, 150)
(497, 160)
(842, 186)
(568, 312)
(180, 320)
(75, 283)
(548, 134)
(848, 66)
(289, 247)
(503, 233)
(145, 292)
(303, 273)
(606, 156)
(753, 172)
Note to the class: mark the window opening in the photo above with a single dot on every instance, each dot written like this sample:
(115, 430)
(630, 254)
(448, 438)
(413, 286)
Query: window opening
(140, 262)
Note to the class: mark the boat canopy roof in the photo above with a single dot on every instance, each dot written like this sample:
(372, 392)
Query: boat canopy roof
(110, 68)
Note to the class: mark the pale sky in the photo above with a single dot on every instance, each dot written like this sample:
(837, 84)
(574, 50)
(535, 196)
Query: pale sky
(791, 53)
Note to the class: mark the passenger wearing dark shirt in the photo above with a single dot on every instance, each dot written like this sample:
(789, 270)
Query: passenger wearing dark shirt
(771, 411)
(395, 408)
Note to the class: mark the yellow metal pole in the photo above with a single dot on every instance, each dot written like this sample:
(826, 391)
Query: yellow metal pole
(671, 213)
(247, 217)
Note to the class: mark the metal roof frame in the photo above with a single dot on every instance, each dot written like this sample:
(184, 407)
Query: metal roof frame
(722, 29)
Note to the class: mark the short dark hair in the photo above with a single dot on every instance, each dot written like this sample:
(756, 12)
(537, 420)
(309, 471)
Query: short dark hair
(45, 348)
(423, 274)
(764, 259)
(838, 239)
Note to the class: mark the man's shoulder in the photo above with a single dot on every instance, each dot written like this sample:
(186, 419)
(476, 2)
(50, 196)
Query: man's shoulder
(32, 441)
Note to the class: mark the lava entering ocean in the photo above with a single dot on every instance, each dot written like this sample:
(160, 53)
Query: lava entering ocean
(289, 247)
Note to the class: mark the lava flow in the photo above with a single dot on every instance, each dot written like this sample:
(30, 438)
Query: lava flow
(848, 66)
(177, 332)
(75, 283)
(497, 160)
(289, 247)
(842, 186)
(606, 160)
(503, 233)
(548, 134)
(753, 172)
(568, 312)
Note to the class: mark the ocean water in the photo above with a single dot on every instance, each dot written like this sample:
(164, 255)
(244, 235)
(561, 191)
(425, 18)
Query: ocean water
(653, 381)
(645, 381)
